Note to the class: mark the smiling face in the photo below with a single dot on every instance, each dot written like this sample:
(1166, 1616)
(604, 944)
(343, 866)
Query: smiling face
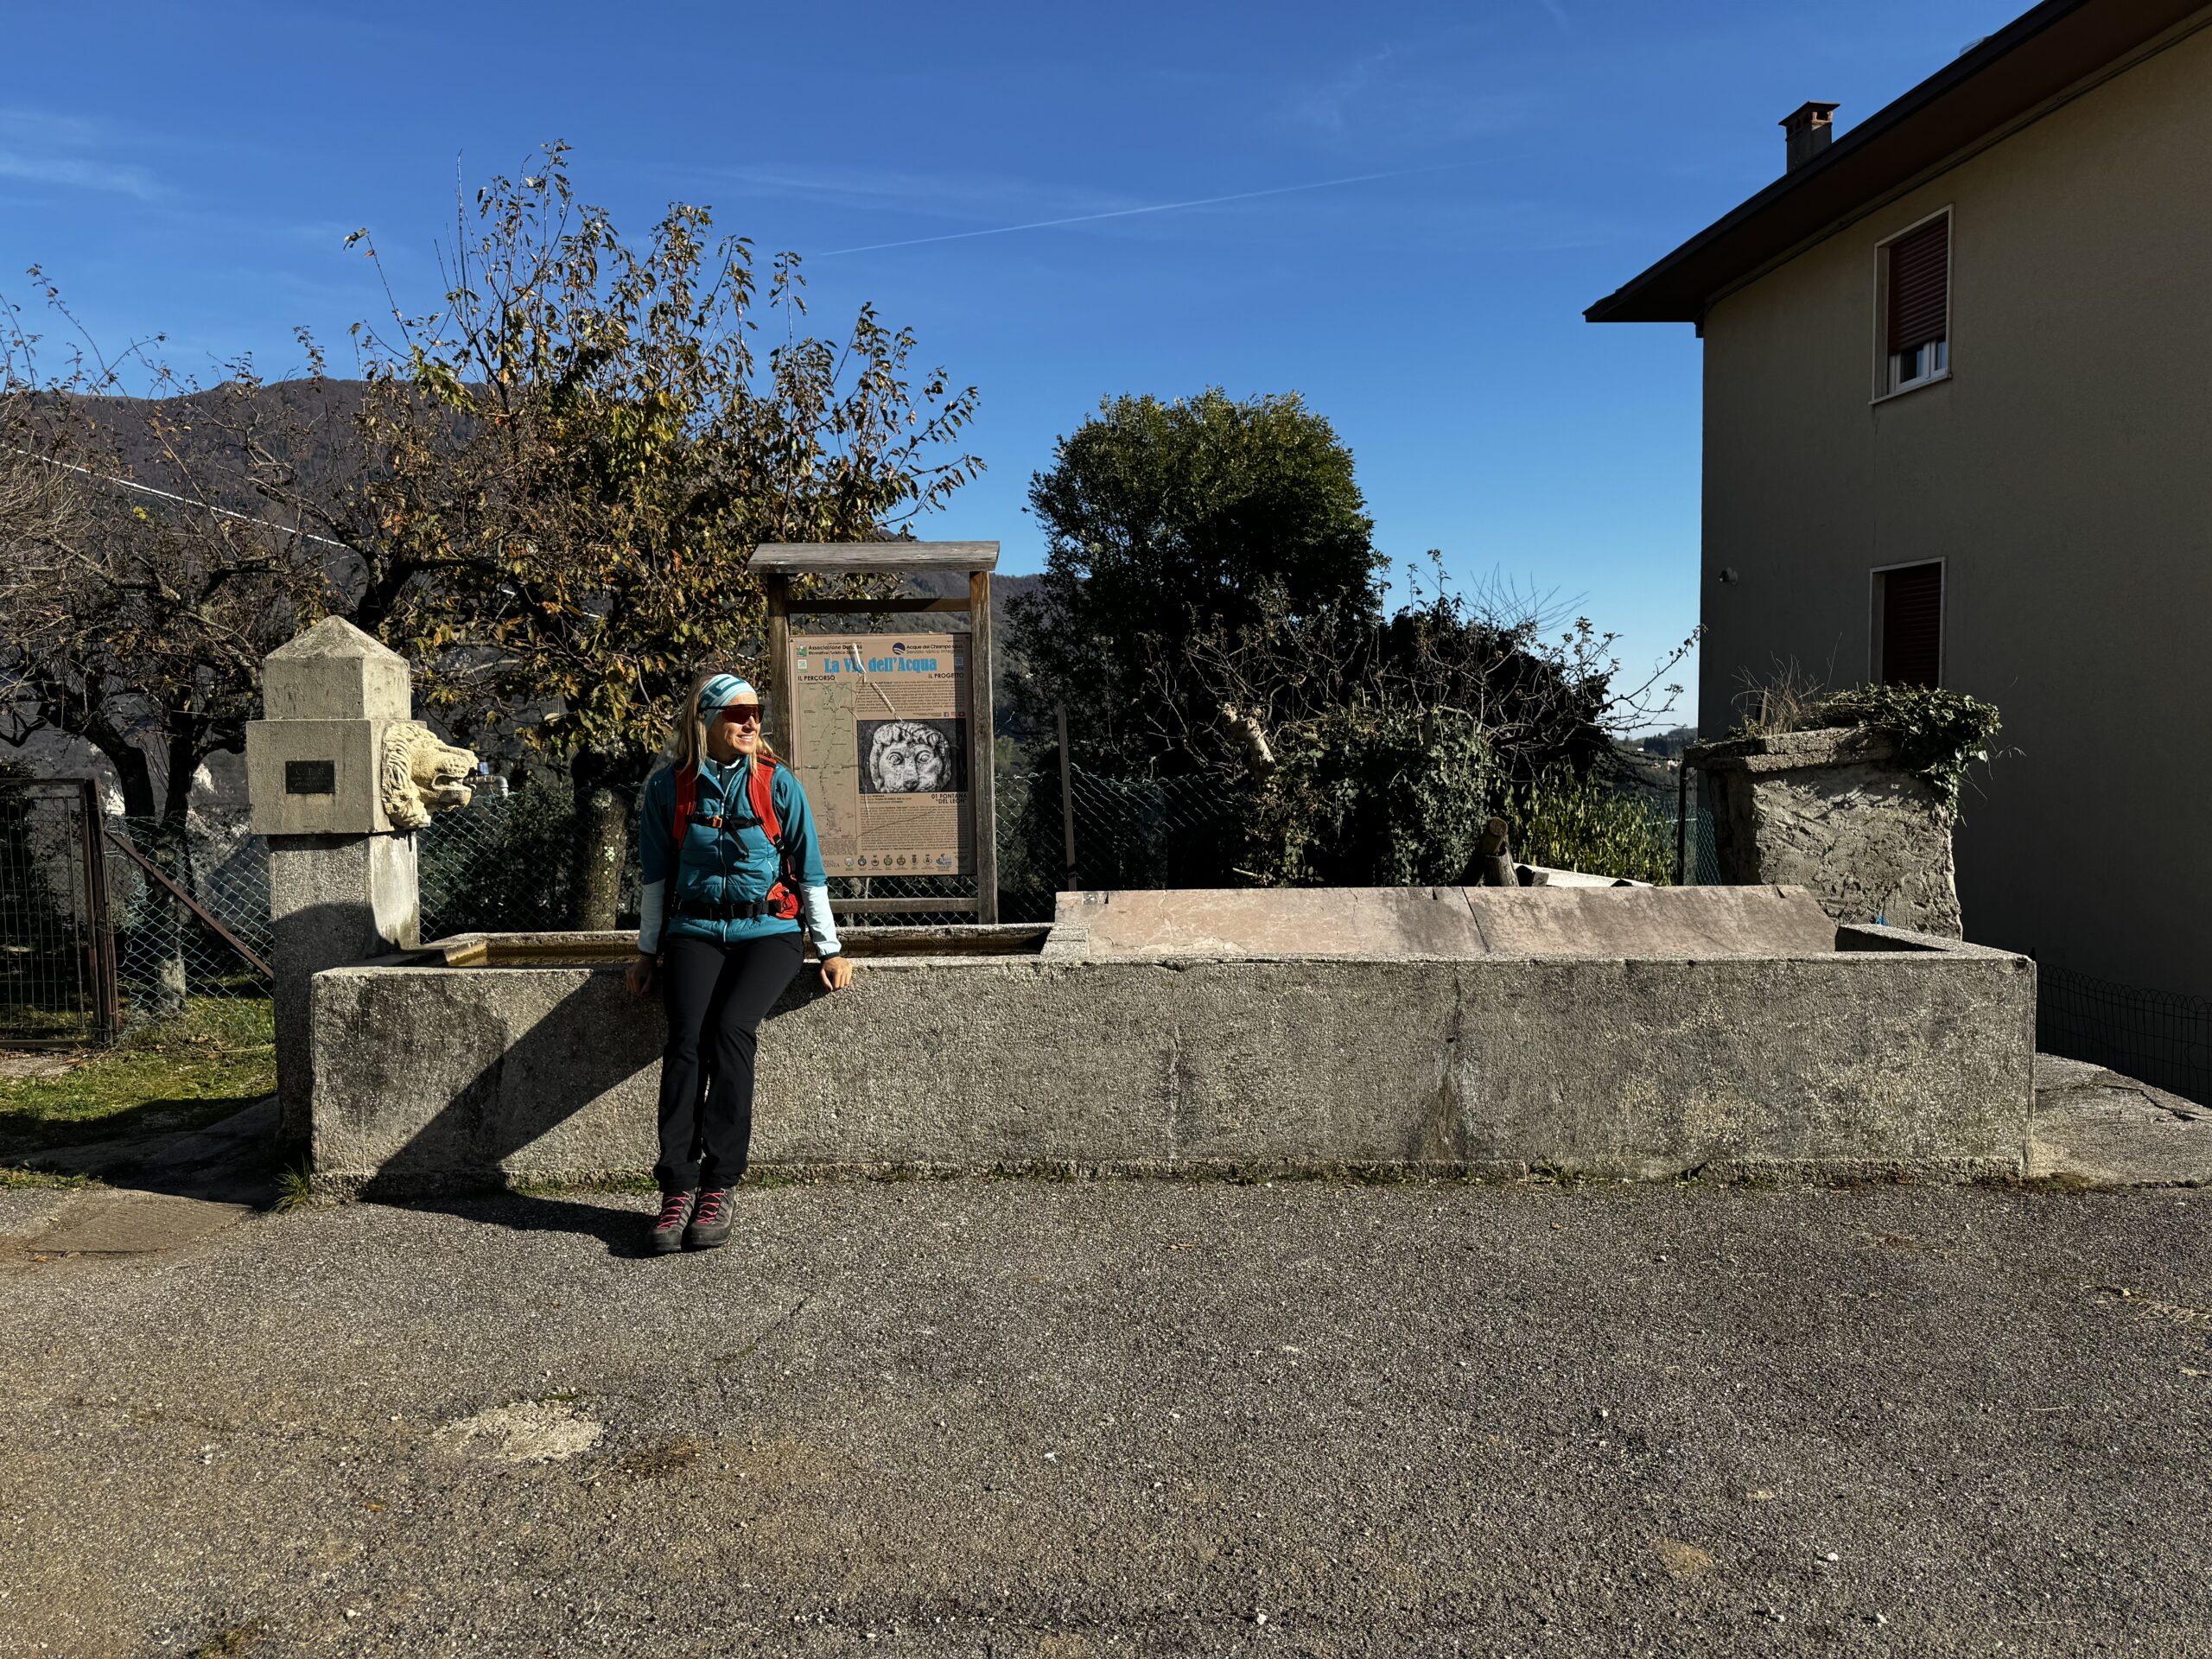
(735, 732)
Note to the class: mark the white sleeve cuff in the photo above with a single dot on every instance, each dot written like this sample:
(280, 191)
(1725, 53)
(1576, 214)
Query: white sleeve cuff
(820, 924)
(651, 906)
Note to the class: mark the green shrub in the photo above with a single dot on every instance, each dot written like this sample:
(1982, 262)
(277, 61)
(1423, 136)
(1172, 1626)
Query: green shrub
(1571, 823)
(1371, 794)
(1938, 733)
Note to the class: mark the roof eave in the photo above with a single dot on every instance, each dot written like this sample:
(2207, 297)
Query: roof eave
(1874, 157)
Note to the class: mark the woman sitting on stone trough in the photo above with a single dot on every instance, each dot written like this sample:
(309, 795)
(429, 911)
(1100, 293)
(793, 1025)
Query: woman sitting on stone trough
(730, 868)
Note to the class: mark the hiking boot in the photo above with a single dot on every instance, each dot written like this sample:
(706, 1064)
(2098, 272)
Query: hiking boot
(668, 1232)
(710, 1222)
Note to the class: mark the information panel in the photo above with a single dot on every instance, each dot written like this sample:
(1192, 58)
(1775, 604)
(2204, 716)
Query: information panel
(880, 738)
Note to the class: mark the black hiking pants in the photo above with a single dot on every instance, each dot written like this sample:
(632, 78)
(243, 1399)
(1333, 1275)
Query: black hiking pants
(717, 995)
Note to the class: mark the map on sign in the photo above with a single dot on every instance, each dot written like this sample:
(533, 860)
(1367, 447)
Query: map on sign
(878, 736)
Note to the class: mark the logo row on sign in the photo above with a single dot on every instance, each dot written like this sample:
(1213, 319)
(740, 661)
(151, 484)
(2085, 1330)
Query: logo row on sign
(917, 861)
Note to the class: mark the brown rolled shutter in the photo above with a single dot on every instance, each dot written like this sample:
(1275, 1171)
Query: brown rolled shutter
(1912, 625)
(1919, 286)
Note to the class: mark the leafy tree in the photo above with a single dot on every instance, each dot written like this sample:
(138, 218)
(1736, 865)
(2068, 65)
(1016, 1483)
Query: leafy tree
(139, 606)
(1212, 611)
(1169, 520)
(137, 617)
(574, 459)
(545, 490)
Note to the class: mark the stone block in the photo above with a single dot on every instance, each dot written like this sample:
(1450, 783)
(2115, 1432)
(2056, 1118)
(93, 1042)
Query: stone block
(333, 900)
(315, 777)
(334, 672)
(1833, 812)
(1447, 922)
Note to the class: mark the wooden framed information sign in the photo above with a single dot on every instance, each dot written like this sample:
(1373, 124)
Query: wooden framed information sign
(879, 733)
(891, 732)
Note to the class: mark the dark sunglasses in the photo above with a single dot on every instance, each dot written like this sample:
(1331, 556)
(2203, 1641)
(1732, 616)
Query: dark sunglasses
(742, 714)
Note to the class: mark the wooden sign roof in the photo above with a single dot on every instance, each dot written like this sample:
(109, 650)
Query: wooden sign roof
(839, 558)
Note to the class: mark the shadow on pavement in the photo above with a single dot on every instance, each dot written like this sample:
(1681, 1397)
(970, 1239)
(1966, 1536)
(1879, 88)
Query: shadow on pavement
(621, 1227)
(525, 1088)
(233, 1161)
(156, 1192)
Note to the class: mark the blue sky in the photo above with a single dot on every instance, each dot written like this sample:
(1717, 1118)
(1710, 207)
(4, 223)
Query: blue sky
(194, 169)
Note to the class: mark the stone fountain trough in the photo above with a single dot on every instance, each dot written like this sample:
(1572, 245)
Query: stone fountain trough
(1638, 1033)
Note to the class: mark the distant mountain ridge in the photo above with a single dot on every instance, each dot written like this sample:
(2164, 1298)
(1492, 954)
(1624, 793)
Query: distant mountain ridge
(187, 445)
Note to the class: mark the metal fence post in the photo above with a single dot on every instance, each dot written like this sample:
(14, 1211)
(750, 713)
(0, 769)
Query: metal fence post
(107, 986)
(1682, 821)
(1067, 801)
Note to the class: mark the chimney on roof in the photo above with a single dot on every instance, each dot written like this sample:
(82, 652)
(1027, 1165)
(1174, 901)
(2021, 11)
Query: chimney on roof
(1808, 128)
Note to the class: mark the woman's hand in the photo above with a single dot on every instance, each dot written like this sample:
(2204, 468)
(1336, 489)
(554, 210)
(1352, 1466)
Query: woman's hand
(638, 976)
(837, 971)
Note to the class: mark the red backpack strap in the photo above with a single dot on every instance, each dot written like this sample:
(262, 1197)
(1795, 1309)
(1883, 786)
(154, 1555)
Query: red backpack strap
(782, 898)
(687, 797)
(762, 788)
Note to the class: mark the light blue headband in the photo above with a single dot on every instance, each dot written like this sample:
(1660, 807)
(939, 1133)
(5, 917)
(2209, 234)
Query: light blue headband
(723, 690)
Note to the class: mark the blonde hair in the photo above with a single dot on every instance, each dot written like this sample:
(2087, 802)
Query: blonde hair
(691, 728)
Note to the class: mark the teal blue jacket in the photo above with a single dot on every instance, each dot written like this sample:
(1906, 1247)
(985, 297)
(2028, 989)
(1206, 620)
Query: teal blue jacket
(736, 863)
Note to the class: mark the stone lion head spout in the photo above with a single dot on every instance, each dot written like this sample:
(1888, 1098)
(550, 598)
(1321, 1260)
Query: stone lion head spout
(421, 774)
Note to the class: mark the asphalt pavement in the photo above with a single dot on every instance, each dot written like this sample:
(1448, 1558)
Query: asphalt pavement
(1020, 1417)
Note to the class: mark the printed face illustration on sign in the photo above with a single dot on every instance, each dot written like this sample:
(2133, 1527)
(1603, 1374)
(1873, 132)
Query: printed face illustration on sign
(909, 756)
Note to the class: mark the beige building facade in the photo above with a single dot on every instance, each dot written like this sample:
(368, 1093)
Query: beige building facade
(2030, 518)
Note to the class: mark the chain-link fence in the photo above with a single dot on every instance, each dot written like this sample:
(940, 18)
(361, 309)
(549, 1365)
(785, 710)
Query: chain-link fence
(107, 922)
(57, 972)
(167, 949)
(186, 912)
(1177, 832)
(1151, 832)
(503, 863)
(1700, 859)
(2161, 1038)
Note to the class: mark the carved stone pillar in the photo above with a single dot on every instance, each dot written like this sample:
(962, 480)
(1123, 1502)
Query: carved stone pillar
(340, 779)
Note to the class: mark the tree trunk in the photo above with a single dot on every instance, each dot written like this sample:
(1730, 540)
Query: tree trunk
(135, 775)
(161, 921)
(601, 843)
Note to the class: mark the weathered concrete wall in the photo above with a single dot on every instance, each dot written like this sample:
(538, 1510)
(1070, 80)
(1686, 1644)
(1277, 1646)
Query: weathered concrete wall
(1831, 811)
(1894, 1053)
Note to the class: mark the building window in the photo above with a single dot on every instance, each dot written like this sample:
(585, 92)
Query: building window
(1909, 624)
(1916, 290)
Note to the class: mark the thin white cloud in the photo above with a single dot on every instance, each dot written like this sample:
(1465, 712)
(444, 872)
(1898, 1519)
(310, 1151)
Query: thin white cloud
(45, 127)
(941, 195)
(1131, 212)
(1406, 97)
(77, 173)
(1327, 106)
(1558, 15)
(41, 148)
